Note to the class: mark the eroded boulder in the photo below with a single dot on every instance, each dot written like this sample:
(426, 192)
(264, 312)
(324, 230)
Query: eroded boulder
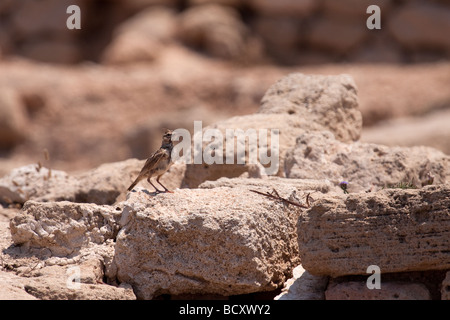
(397, 230)
(357, 290)
(294, 105)
(222, 241)
(64, 227)
(365, 166)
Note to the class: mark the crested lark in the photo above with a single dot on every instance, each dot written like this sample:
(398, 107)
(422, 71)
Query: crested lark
(158, 163)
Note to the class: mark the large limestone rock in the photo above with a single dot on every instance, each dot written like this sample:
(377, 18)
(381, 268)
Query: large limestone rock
(318, 155)
(284, 186)
(61, 250)
(64, 227)
(12, 288)
(318, 102)
(397, 230)
(197, 173)
(223, 241)
(57, 289)
(295, 104)
(357, 290)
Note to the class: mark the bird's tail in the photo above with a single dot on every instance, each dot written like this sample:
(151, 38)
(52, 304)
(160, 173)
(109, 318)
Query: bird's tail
(139, 178)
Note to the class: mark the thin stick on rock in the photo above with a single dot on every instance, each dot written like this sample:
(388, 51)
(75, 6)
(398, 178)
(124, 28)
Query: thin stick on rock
(276, 196)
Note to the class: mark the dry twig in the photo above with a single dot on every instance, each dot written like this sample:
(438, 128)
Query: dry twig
(275, 195)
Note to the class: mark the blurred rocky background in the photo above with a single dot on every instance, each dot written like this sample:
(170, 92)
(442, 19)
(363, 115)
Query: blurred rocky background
(77, 98)
(285, 32)
(76, 105)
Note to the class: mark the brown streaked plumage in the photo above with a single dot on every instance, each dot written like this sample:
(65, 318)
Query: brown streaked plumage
(158, 163)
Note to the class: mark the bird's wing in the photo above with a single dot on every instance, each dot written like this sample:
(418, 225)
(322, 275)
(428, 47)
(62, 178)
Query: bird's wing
(154, 159)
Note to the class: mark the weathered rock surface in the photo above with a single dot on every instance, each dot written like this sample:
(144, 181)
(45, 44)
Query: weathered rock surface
(54, 287)
(60, 250)
(295, 104)
(103, 185)
(13, 288)
(196, 174)
(285, 186)
(389, 291)
(397, 230)
(364, 166)
(319, 102)
(304, 286)
(35, 273)
(64, 227)
(209, 241)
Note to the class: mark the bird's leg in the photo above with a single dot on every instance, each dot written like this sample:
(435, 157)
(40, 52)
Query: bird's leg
(167, 190)
(156, 189)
